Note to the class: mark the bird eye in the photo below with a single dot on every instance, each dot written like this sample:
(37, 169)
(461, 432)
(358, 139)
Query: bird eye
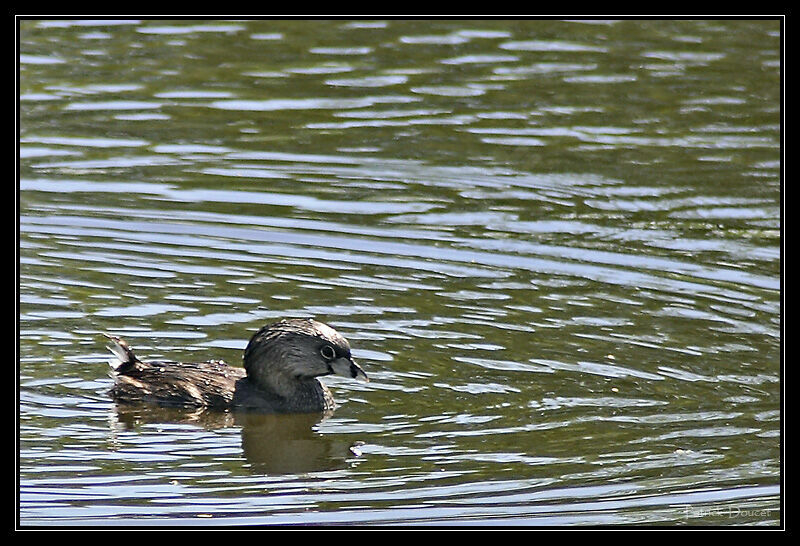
(327, 352)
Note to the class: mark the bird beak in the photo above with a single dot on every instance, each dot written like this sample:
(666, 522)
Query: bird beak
(347, 368)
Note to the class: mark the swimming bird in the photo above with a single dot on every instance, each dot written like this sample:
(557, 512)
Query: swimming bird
(282, 362)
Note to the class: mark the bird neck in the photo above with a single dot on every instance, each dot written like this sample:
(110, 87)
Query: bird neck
(296, 393)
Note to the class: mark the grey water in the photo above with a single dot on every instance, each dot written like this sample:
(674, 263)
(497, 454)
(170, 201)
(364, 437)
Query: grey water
(555, 247)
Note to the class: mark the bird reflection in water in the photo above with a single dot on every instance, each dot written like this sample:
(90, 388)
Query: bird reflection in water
(271, 443)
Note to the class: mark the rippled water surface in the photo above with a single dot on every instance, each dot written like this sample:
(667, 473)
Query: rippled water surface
(555, 247)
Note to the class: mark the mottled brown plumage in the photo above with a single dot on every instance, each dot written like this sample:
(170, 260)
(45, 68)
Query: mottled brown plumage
(281, 366)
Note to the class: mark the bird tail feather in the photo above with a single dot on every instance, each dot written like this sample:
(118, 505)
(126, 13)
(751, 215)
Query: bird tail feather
(122, 353)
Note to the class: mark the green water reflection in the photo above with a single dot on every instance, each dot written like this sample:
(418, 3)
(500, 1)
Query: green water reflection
(554, 246)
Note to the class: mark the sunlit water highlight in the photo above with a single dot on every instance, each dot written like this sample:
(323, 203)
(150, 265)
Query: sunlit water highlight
(554, 246)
